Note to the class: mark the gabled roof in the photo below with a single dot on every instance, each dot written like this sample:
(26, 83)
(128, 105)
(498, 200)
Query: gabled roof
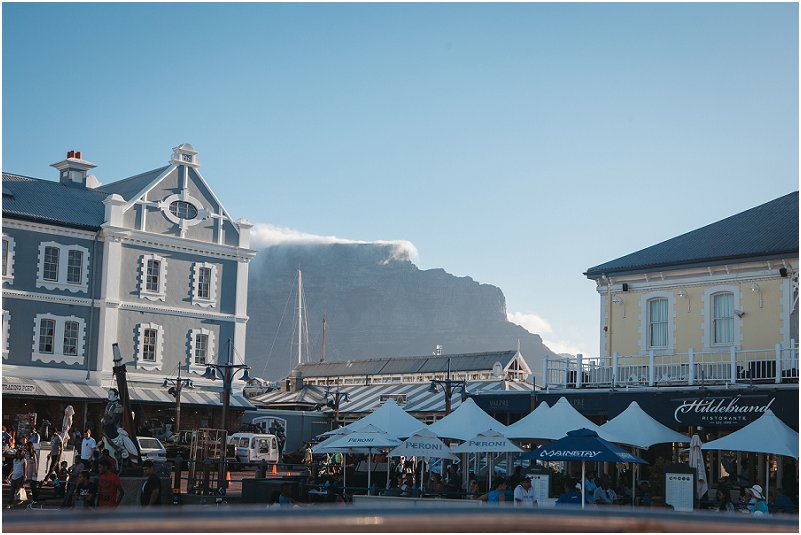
(407, 365)
(766, 231)
(127, 188)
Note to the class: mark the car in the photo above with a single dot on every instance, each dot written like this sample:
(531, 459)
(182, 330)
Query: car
(152, 449)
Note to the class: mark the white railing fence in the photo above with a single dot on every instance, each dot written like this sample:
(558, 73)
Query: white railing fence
(777, 365)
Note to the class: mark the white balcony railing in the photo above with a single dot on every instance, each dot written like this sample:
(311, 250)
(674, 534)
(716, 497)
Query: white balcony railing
(778, 365)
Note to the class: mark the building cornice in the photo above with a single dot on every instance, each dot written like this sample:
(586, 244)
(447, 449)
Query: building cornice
(183, 245)
(44, 228)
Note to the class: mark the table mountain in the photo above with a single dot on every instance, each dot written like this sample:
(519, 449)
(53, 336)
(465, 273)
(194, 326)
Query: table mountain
(377, 303)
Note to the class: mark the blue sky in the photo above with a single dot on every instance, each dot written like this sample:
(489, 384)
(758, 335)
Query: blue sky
(519, 144)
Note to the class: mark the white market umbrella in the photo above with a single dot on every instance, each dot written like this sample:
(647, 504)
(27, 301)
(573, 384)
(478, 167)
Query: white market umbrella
(389, 417)
(368, 438)
(635, 427)
(527, 427)
(489, 441)
(767, 434)
(561, 418)
(465, 422)
(697, 463)
(423, 444)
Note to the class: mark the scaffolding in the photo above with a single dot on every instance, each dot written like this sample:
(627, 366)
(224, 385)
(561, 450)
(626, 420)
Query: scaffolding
(207, 461)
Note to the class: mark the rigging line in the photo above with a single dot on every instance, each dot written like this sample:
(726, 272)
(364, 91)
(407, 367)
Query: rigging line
(277, 331)
(306, 357)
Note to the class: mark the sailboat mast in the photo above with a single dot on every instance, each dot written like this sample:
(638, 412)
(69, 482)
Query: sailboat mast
(300, 317)
(322, 352)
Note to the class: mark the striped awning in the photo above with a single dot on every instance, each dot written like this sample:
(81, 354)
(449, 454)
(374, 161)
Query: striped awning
(13, 386)
(412, 397)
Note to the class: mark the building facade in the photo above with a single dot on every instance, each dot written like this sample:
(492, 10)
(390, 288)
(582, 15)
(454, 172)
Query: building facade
(152, 262)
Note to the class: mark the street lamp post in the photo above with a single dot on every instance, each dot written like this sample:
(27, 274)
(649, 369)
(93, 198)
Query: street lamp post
(449, 386)
(226, 373)
(333, 399)
(176, 385)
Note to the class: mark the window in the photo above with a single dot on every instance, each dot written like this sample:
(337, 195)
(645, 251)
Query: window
(723, 318)
(63, 267)
(47, 333)
(74, 266)
(71, 338)
(59, 339)
(201, 348)
(149, 346)
(8, 259)
(6, 326)
(51, 264)
(186, 157)
(153, 273)
(183, 210)
(201, 345)
(658, 323)
(204, 284)
(152, 277)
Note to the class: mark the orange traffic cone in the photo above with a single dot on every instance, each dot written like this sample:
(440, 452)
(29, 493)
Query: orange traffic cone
(228, 476)
(273, 471)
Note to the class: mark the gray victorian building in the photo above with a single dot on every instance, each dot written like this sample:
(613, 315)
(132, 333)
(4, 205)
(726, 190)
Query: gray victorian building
(153, 262)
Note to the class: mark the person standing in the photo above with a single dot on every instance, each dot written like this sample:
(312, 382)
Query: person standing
(18, 470)
(56, 449)
(34, 438)
(88, 448)
(525, 495)
(32, 470)
(85, 491)
(151, 490)
(109, 486)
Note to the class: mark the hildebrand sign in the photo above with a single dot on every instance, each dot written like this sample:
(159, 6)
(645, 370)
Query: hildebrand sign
(720, 410)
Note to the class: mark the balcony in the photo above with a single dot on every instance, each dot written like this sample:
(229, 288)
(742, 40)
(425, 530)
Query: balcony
(777, 365)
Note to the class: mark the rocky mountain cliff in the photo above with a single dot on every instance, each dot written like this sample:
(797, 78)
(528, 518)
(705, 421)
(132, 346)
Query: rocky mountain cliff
(375, 305)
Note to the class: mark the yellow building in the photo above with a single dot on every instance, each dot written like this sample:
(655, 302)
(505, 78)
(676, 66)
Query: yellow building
(717, 304)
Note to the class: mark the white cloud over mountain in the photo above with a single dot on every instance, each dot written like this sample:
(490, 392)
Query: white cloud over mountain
(265, 235)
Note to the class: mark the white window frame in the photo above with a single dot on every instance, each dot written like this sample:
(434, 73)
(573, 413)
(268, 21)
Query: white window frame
(202, 212)
(650, 322)
(708, 316)
(139, 347)
(61, 280)
(6, 330)
(144, 293)
(199, 301)
(643, 326)
(58, 340)
(9, 276)
(209, 349)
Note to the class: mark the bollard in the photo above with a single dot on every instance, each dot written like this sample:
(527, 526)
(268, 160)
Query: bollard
(176, 486)
(261, 473)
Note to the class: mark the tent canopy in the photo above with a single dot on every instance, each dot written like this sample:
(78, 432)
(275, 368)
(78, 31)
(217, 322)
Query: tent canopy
(635, 427)
(560, 419)
(369, 437)
(766, 434)
(527, 427)
(466, 422)
(389, 417)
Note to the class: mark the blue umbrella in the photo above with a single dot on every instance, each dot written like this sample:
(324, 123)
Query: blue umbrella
(582, 445)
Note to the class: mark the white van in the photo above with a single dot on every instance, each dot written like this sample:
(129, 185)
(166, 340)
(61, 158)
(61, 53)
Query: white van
(254, 447)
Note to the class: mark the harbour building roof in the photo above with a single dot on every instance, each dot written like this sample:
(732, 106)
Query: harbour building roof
(764, 232)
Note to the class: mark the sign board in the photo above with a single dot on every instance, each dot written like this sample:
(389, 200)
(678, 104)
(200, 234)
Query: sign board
(680, 487)
(541, 483)
(16, 388)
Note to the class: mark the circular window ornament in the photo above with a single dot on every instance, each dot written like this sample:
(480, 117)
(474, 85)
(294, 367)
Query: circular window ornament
(183, 210)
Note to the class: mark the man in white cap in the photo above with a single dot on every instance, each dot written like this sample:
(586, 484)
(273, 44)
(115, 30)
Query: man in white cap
(525, 496)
